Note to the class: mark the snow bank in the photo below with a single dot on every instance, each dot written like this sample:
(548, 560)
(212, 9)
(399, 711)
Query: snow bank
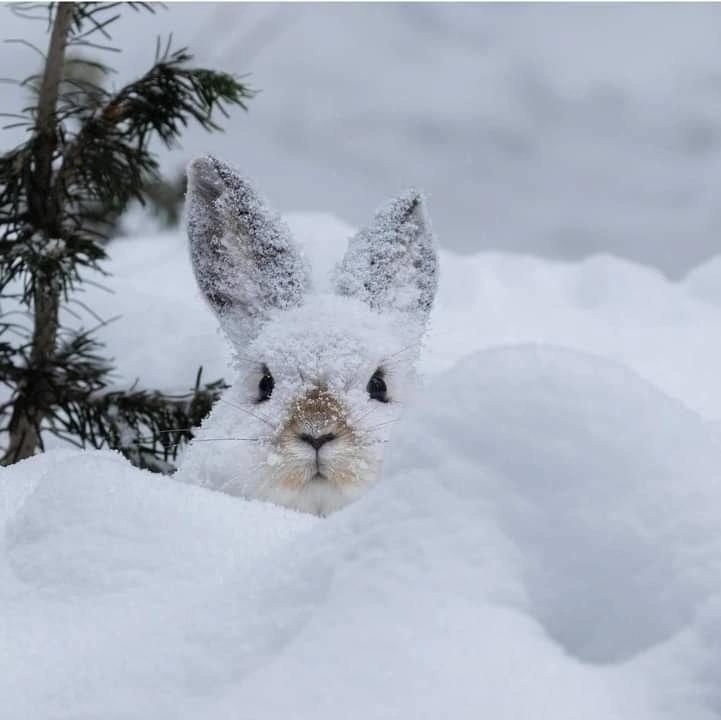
(544, 544)
(123, 592)
(670, 333)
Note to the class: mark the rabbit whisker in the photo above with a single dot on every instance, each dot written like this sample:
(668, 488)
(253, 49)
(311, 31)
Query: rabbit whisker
(238, 439)
(407, 348)
(139, 440)
(366, 414)
(245, 410)
(380, 425)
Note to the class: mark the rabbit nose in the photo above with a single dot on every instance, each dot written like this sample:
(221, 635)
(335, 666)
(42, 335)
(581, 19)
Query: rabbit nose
(316, 441)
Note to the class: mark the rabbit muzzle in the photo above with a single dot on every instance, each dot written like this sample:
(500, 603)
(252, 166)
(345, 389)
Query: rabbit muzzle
(318, 444)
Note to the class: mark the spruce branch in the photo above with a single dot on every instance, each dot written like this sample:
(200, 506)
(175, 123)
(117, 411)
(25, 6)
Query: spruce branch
(87, 154)
(110, 156)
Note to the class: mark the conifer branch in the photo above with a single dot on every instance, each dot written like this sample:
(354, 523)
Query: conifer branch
(87, 155)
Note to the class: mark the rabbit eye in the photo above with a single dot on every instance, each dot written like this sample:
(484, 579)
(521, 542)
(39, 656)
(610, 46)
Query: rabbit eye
(377, 387)
(265, 386)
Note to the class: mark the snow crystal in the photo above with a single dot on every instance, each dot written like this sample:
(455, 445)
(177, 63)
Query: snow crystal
(244, 258)
(392, 264)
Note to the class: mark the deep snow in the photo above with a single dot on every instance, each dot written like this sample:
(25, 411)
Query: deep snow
(534, 550)
(666, 331)
(544, 542)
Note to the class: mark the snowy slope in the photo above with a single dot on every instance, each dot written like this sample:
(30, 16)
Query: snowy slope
(670, 333)
(544, 545)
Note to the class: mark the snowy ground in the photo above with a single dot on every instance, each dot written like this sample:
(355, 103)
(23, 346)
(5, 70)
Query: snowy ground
(544, 544)
(666, 331)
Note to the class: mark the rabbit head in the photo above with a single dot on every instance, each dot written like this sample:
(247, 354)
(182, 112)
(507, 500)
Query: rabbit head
(321, 376)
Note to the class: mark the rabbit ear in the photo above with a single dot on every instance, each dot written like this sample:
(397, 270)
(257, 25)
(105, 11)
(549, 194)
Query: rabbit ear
(392, 264)
(244, 258)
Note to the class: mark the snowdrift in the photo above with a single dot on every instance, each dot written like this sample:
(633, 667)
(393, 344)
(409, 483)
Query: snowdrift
(544, 544)
(670, 333)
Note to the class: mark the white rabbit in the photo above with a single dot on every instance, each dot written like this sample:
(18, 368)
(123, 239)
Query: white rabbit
(321, 377)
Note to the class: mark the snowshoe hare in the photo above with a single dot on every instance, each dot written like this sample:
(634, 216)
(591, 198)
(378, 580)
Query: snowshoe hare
(321, 377)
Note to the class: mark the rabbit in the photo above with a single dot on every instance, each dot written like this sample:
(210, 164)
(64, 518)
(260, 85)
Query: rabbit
(322, 377)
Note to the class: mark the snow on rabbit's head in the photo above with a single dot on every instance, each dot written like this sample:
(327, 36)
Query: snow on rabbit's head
(322, 377)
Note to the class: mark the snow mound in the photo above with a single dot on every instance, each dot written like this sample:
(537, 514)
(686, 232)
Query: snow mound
(604, 306)
(609, 490)
(125, 590)
(544, 543)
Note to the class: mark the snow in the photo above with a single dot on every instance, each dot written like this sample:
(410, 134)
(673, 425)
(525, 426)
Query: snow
(114, 583)
(392, 264)
(321, 356)
(521, 557)
(603, 305)
(243, 255)
(543, 542)
(319, 350)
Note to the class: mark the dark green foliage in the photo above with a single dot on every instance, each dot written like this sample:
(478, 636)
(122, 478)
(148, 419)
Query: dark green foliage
(147, 427)
(87, 155)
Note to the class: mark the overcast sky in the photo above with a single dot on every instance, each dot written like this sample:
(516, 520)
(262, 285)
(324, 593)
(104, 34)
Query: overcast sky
(558, 130)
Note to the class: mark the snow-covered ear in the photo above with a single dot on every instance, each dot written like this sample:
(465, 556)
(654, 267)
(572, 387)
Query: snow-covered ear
(392, 264)
(244, 258)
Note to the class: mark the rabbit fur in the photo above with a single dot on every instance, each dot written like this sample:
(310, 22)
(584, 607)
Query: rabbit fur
(321, 377)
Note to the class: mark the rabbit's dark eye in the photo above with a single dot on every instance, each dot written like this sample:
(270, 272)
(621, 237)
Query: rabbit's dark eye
(265, 386)
(377, 387)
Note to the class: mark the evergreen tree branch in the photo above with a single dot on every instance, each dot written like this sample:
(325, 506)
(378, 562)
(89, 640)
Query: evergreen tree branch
(110, 156)
(88, 154)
